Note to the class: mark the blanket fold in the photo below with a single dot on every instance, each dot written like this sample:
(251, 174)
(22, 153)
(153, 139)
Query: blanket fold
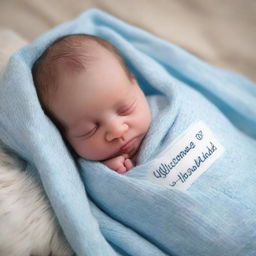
(105, 213)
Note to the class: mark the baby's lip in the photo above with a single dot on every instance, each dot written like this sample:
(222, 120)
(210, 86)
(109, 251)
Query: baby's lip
(130, 147)
(130, 144)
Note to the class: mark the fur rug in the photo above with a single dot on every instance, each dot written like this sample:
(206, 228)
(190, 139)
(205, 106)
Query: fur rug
(28, 225)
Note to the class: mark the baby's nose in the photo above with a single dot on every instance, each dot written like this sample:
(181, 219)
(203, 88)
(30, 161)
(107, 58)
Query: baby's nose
(116, 129)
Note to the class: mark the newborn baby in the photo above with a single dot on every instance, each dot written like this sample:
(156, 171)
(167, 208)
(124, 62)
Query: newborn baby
(85, 87)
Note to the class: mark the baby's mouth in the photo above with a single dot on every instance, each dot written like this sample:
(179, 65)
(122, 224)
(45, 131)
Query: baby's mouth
(132, 146)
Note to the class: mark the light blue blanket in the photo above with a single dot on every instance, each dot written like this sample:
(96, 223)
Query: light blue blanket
(104, 213)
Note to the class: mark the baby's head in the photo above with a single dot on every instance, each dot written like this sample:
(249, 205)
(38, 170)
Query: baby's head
(84, 85)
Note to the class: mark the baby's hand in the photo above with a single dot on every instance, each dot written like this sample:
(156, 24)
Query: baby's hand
(120, 164)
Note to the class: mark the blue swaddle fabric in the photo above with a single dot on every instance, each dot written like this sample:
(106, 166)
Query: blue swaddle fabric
(105, 213)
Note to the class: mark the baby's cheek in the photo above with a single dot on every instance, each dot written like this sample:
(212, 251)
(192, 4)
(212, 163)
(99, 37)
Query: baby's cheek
(79, 147)
(143, 121)
(86, 150)
(90, 150)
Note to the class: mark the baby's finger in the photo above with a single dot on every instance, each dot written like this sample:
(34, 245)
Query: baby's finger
(122, 169)
(128, 164)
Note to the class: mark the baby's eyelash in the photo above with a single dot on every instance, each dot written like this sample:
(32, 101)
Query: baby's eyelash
(89, 133)
(127, 110)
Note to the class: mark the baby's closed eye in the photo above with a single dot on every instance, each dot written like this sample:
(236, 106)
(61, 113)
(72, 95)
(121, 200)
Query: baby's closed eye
(127, 109)
(88, 133)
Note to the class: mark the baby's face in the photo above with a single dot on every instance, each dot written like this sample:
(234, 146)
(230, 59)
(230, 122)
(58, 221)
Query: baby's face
(104, 112)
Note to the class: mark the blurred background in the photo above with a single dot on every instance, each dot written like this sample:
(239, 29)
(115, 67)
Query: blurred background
(221, 32)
